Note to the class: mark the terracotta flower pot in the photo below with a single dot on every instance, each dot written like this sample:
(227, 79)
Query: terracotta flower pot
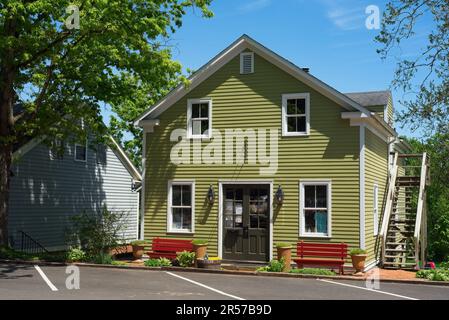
(286, 253)
(138, 252)
(358, 262)
(200, 251)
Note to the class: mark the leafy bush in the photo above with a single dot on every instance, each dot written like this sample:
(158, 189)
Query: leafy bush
(434, 275)
(98, 233)
(357, 251)
(161, 262)
(444, 265)
(10, 254)
(185, 259)
(273, 266)
(283, 245)
(314, 271)
(199, 242)
(75, 254)
(102, 258)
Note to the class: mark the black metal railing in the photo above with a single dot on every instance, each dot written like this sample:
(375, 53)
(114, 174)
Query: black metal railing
(29, 245)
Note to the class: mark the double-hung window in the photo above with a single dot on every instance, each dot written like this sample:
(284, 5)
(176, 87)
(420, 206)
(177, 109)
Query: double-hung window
(315, 208)
(199, 118)
(296, 114)
(81, 152)
(181, 206)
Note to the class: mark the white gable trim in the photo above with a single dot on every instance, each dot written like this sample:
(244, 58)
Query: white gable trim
(231, 52)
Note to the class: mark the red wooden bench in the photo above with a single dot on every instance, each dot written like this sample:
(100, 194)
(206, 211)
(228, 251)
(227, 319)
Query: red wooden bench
(325, 254)
(168, 248)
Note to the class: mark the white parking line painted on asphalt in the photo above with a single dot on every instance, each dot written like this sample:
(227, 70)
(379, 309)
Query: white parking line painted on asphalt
(204, 286)
(367, 289)
(47, 281)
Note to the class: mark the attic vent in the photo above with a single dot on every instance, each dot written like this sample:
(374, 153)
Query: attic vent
(246, 62)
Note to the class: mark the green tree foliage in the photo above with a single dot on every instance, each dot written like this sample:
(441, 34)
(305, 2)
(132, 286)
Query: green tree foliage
(119, 56)
(429, 106)
(438, 194)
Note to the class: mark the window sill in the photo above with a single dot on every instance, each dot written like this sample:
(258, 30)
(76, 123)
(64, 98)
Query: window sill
(180, 232)
(295, 134)
(315, 236)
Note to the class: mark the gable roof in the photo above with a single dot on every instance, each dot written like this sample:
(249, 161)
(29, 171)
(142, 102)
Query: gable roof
(115, 147)
(242, 43)
(372, 98)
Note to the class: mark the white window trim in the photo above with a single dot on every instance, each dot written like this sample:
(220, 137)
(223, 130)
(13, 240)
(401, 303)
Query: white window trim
(376, 209)
(302, 232)
(242, 55)
(170, 228)
(286, 97)
(74, 153)
(190, 135)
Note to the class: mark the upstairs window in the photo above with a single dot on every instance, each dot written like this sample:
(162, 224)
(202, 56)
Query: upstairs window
(295, 114)
(247, 62)
(81, 152)
(199, 117)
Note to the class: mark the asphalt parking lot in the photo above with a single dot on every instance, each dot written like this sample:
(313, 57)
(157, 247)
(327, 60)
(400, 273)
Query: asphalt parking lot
(49, 282)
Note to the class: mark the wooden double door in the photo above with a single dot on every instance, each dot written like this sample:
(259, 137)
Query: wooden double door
(246, 222)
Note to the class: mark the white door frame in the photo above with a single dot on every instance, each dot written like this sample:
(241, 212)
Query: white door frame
(220, 211)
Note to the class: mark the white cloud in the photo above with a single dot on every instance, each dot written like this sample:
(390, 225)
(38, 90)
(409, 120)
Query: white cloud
(253, 5)
(345, 15)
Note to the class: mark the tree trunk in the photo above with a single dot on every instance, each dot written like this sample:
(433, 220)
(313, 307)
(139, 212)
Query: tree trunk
(7, 96)
(5, 165)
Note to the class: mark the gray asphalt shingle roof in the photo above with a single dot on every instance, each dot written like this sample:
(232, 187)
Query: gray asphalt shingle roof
(373, 98)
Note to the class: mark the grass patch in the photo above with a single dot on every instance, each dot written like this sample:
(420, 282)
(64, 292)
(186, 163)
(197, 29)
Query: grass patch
(314, 271)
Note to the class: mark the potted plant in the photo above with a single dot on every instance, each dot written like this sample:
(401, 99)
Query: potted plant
(284, 251)
(212, 263)
(200, 248)
(138, 248)
(358, 257)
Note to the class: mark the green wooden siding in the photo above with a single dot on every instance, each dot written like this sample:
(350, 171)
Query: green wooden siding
(376, 172)
(254, 101)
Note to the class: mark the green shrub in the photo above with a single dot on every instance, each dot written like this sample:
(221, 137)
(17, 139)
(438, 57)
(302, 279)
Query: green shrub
(152, 263)
(161, 262)
(165, 262)
(75, 254)
(434, 275)
(102, 258)
(185, 259)
(10, 254)
(199, 242)
(444, 265)
(357, 251)
(314, 271)
(273, 266)
(283, 245)
(96, 233)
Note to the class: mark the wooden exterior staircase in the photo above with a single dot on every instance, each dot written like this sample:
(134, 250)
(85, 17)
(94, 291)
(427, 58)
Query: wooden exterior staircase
(403, 231)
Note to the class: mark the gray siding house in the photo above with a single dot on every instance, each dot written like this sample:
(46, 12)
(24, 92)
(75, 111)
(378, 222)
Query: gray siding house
(47, 189)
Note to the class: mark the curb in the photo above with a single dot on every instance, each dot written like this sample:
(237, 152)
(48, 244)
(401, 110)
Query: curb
(226, 272)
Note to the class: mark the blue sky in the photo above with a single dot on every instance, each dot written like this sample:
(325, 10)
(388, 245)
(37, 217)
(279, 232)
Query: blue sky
(327, 36)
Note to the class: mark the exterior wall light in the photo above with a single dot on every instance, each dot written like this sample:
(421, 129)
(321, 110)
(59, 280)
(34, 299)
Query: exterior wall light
(211, 195)
(279, 196)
